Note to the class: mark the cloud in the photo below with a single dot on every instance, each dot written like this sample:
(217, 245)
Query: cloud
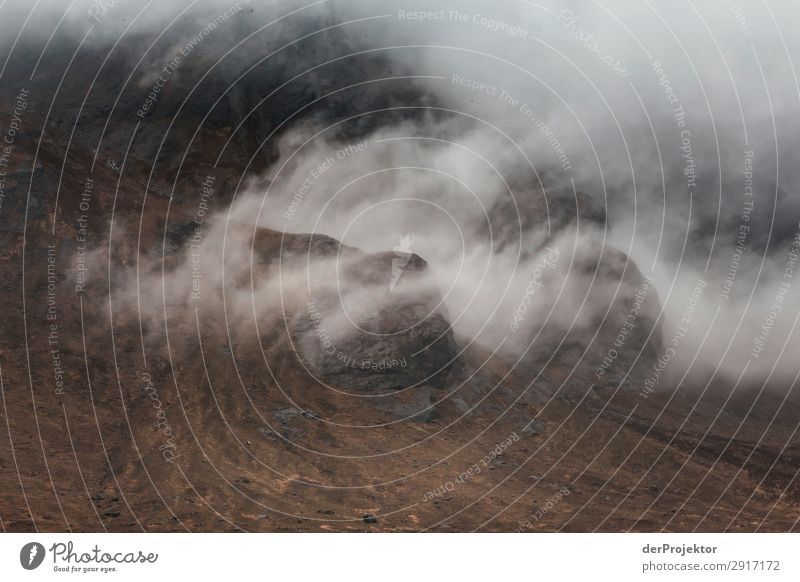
(680, 124)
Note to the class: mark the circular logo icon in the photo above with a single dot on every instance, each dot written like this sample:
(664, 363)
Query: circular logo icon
(31, 555)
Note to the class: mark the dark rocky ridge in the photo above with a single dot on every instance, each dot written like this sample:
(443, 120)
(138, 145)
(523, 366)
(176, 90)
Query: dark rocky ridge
(400, 351)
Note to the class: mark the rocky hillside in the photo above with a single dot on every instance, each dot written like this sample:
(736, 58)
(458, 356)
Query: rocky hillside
(152, 380)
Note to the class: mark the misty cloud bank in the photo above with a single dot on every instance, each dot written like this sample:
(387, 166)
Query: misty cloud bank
(674, 130)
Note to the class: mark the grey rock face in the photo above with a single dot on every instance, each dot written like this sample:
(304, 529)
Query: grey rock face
(406, 341)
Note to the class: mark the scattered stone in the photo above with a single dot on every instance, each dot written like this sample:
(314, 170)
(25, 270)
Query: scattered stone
(287, 414)
(267, 433)
(369, 518)
(413, 403)
(535, 427)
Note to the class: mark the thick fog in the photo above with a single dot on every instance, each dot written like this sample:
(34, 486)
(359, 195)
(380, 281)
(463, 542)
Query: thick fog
(679, 124)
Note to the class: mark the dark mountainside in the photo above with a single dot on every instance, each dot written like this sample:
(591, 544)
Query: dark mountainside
(198, 418)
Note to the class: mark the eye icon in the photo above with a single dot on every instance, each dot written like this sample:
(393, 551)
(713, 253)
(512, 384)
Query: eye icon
(31, 555)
